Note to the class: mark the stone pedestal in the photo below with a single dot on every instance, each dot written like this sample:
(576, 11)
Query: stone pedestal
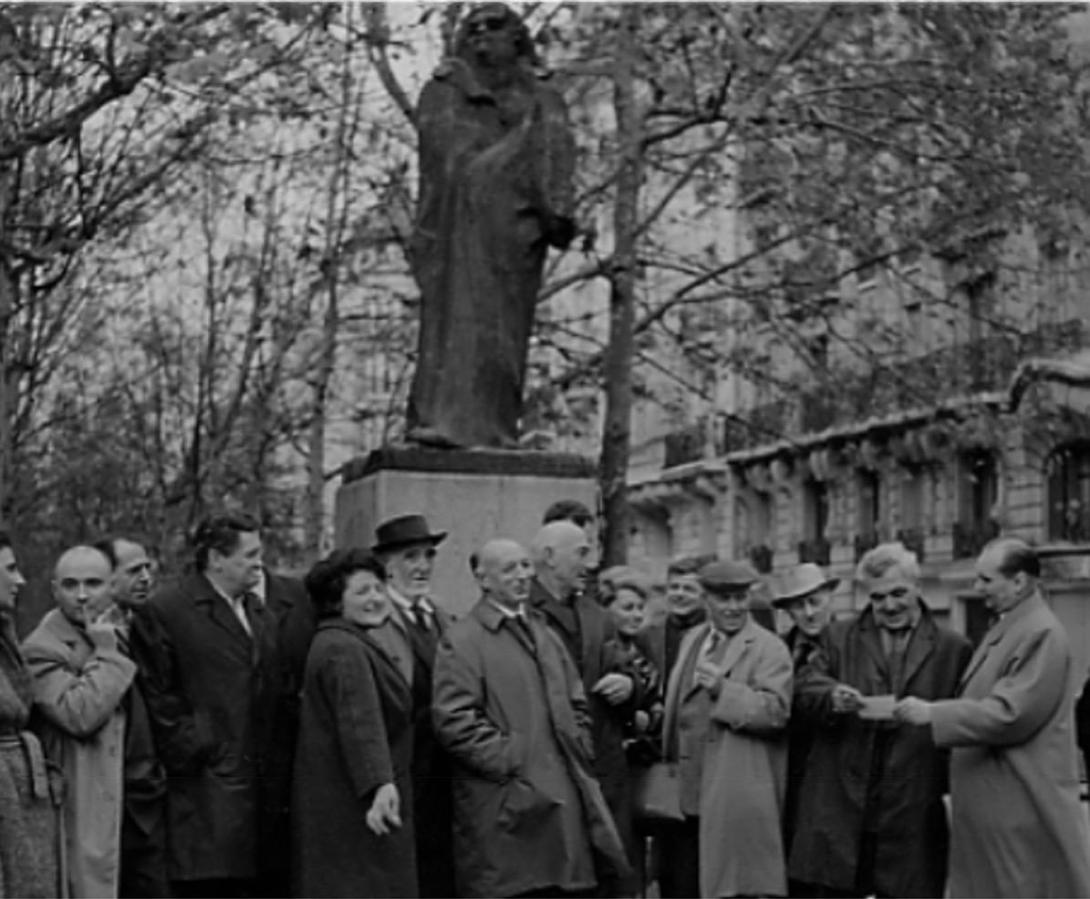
(473, 495)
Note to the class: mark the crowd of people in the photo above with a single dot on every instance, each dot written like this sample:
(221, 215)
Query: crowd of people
(233, 732)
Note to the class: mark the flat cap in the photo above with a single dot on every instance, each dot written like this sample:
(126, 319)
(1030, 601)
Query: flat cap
(727, 577)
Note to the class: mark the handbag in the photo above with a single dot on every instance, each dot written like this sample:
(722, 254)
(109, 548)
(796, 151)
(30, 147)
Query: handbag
(658, 793)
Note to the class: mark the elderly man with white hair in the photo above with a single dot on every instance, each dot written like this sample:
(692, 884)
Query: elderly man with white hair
(871, 819)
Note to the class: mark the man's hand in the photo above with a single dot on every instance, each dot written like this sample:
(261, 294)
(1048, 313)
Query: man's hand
(846, 700)
(911, 710)
(614, 688)
(102, 628)
(384, 815)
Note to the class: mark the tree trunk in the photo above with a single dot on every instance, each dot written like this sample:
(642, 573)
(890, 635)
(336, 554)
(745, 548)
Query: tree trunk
(337, 202)
(622, 296)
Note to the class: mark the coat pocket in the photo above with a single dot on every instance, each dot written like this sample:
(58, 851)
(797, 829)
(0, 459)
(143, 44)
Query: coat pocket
(524, 807)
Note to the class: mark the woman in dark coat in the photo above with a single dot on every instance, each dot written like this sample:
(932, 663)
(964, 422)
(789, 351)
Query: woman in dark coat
(351, 800)
(30, 846)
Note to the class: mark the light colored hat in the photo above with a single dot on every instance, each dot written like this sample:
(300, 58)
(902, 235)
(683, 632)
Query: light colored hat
(799, 582)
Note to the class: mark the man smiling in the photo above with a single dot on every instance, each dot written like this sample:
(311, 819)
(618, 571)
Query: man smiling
(870, 814)
(407, 547)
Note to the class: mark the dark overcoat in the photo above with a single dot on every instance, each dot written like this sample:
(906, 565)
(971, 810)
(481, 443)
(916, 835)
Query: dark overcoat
(211, 692)
(528, 813)
(595, 652)
(290, 615)
(875, 775)
(355, 735)
(800, 735)
(433, 809)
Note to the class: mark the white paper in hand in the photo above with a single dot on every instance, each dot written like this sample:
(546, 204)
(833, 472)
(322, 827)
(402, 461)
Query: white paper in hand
(878, 708)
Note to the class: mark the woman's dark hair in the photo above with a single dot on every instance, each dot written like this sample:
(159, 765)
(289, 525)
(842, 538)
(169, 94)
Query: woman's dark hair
(325, 582)
(5, 540)
(221, 533)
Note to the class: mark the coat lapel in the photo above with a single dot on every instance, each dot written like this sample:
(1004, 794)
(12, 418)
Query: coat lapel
(994, 635)
(920, 646)
(217, 609)
(872, 642)
(737, 646)
(682, 671)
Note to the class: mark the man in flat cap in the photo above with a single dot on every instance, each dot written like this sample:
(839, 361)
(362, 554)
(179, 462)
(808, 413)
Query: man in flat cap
(870, 817)
(805, 593)
(727, 704)
(407, 548)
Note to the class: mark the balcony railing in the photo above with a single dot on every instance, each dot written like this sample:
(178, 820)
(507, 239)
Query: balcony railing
(1071, 523)
(984, 364)
(970, 537)
(914, 540)
(684, 445)
(863, 542)
(816, 550)
(761, 557)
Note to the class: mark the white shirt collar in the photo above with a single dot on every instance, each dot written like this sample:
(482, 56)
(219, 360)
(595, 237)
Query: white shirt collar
(510, 613)
(407, 605)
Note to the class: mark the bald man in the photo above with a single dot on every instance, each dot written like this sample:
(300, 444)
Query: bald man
(80, 680)
(562, 558)
(1019, 828)
(510, 709)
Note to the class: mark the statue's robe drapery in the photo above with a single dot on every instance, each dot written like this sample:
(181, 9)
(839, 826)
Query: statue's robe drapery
(495, 190)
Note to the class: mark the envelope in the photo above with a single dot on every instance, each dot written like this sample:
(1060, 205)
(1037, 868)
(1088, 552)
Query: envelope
(878, 708)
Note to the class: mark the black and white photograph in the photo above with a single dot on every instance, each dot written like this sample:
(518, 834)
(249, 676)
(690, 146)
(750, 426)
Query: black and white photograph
(605, 450)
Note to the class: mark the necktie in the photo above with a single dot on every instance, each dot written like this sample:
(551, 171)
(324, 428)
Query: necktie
(522, 629)
(420, 616)
(253, 609)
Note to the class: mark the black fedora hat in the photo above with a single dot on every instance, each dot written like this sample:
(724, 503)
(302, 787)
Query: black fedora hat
(403, 531)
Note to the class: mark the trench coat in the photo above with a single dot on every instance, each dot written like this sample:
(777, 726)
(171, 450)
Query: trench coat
(78, 705)
(874, 776)
(211, 692)
(30, 825)
(587, 630)
(731, 751)
(510, 709)
(1019, 828)
(355, 735)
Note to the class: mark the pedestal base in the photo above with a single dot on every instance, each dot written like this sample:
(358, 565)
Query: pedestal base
(473, 495)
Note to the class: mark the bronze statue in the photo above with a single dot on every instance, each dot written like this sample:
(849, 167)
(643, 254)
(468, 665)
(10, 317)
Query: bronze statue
(496, 165)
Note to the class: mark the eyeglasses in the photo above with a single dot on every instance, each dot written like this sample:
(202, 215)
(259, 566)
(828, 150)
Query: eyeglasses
(485, 24)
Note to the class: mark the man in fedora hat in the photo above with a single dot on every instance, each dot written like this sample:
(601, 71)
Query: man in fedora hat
(805, 593)
(870, 815)
(727, 703)
(407, 547)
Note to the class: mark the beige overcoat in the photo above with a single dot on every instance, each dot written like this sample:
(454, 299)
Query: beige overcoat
(78, 692)
(732, 754)
(1018, 825)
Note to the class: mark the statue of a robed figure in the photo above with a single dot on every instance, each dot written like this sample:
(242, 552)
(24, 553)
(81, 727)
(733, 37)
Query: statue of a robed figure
(496, 165)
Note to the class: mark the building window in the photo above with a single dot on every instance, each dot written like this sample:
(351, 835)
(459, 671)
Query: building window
(978, 491)
(869, 511)
(912, 532)
(1067, 473)
(815, 515)
(755, 533)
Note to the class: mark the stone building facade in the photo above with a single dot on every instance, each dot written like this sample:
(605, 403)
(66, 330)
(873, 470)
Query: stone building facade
(968, 432)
